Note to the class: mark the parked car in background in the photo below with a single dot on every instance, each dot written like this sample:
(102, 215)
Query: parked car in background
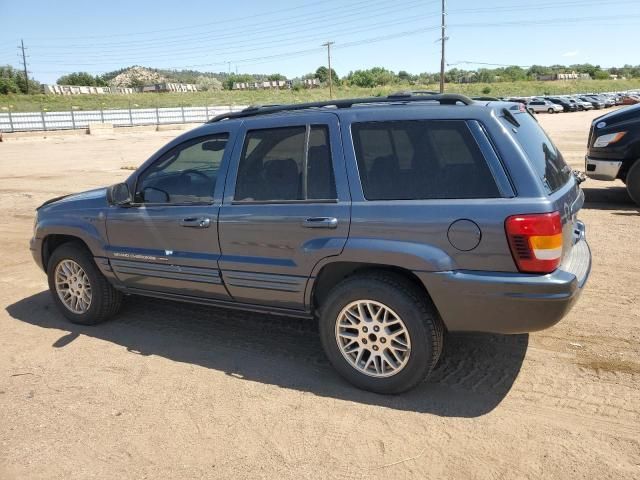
(580, 105)
(614, 149)
(597, 104)
(564, 103)
(541, 105)
(387, 220)
(629, 99)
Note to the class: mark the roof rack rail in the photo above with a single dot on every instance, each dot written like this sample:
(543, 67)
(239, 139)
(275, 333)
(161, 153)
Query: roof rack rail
(399, 97)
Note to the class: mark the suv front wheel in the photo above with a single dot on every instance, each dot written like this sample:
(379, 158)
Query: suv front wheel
(380, 332)
(79, 289)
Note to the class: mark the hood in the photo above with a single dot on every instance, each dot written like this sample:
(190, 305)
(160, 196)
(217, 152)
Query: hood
(88, 199)
(630, 113)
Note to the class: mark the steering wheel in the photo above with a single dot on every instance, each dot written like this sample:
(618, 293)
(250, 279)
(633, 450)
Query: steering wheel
(190, 171)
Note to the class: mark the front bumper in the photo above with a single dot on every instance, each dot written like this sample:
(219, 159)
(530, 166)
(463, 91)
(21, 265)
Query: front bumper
(497, 302)
(35, 245)
(602, 169)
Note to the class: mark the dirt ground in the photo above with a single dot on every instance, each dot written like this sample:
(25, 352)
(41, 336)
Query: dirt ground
(169, 390)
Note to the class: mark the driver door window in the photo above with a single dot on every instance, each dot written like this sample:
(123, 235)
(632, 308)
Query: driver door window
(185, 175)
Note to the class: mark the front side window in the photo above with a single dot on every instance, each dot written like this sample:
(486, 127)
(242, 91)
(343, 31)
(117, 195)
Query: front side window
(286, 164)
(420, 159)
(187, 174)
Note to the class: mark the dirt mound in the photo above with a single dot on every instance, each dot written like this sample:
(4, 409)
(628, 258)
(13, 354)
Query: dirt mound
(136, 77)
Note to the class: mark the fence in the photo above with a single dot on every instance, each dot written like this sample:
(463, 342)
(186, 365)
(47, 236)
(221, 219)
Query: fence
(74, 119)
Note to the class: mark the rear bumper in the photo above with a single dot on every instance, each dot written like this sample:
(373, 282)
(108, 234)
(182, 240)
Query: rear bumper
(602, 169)
(498, 302)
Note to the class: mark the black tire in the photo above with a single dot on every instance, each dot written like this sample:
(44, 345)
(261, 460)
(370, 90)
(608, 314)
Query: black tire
(633, 182)
(105, 300)
(580, 108)
(550, 110)
(419, 316)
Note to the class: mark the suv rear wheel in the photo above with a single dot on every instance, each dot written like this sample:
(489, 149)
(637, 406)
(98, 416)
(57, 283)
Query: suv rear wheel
(380, 332)
(79, 289)
(633, 182)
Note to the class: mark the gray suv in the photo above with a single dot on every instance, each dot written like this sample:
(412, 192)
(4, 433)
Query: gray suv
(391, 220)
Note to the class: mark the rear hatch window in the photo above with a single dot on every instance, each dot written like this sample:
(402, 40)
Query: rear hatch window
(543, 155)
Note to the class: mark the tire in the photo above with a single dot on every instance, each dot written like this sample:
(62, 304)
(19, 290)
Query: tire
(580, 108)
(633, 182)
(550, 110)
(401, 298)
(104, 300)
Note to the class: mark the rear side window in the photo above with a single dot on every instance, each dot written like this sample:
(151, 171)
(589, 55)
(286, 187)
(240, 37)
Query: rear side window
(286, 164)
(419, 160)
(545, 158)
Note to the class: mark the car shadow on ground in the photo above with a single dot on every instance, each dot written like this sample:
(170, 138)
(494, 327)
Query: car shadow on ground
(610, 198)
(474, 375)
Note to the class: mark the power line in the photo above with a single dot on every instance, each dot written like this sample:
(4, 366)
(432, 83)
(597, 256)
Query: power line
(301, 29)
(268, 45)
(239, 31)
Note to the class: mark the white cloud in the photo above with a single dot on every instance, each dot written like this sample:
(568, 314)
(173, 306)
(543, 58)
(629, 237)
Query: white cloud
(572, 53)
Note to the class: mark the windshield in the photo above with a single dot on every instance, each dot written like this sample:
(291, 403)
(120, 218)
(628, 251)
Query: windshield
(545, 158)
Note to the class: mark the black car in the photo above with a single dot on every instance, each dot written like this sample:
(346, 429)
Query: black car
(614, 149)
(565, 104)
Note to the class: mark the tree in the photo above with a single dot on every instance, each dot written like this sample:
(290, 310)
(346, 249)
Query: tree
(13, 81)
(82, 79)
(323, 75)
(206, 82)
(274, 77)
(231, 79)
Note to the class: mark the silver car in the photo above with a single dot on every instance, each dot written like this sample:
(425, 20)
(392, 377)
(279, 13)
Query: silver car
(541, 105)
(582, 105)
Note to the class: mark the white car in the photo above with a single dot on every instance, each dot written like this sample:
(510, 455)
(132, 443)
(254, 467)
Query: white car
(539, 105)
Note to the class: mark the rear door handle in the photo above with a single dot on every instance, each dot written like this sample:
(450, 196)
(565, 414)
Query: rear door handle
(320, 222)
(196, 222)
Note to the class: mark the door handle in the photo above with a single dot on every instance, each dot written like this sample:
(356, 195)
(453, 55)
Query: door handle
(196, 222)
(320, 222)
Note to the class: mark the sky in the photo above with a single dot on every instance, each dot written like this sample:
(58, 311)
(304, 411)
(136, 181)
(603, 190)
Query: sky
(286, 36)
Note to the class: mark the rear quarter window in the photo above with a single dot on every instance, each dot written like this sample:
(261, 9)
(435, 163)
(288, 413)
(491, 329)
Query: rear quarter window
(544, 156)
(420, 160)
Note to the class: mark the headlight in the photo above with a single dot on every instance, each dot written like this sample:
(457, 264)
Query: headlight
(606, 140)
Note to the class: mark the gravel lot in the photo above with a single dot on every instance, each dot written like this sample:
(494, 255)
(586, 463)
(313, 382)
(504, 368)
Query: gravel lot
(169, 390)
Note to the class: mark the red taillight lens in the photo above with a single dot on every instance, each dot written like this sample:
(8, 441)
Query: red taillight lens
(535, 241)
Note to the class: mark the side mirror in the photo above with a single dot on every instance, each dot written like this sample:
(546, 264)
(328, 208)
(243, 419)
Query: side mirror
(119, 194)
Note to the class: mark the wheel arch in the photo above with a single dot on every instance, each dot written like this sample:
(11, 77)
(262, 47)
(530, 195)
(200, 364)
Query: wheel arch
(333, 273)
(54, 240)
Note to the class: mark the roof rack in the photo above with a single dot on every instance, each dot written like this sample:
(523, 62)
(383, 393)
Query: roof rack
(398, 97)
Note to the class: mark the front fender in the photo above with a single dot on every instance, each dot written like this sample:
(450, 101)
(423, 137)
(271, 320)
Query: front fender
(89, 230)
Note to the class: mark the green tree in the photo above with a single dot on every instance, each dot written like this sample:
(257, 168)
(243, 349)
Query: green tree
(274, 77)
(82, 79)
(322, 74)
(13, 81)
(231, 79)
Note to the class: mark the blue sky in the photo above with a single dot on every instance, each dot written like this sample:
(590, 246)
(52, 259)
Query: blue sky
(284, 36)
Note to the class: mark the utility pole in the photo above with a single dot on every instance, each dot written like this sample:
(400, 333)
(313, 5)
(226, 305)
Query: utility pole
(328, 45)
(443, 39)
(24, 65)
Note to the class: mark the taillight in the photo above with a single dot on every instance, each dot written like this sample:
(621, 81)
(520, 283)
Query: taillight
(535, 241)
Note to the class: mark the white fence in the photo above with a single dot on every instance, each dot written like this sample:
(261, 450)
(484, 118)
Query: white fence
(31, 121)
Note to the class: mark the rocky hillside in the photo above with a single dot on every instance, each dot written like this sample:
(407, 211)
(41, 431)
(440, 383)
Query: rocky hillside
(136, 77)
